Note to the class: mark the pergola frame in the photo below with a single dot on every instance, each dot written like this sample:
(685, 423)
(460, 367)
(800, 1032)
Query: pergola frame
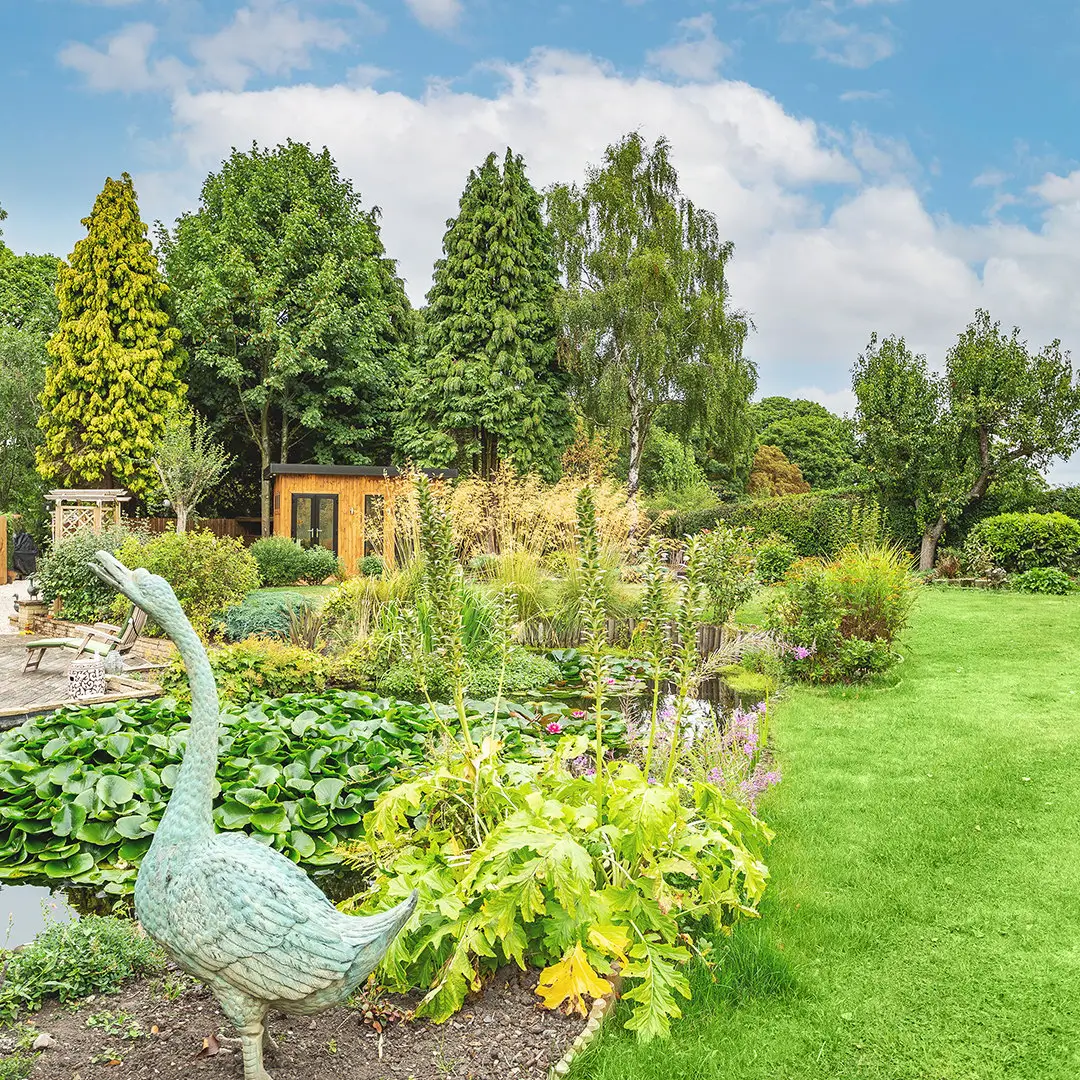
(77, 508)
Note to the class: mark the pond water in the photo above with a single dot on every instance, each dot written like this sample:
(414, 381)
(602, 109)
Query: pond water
(25, 910)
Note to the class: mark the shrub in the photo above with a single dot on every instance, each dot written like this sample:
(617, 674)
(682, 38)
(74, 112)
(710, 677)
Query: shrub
(93, 955)
(319, 564)
(726, 568)
(525, 673)
(264, 615)
(837, 621)
(1043, 579)
(253, 669)
(207, 573)
(370, 566)
(1030, 541)
(64, 573)
(773, 559)
(817, 523)
(281, 561)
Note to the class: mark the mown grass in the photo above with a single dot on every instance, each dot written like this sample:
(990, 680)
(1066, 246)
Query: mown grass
(924, 915)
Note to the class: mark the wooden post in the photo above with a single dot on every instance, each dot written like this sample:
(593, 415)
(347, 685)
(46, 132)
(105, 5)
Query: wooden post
(97, 517)
(58, 522)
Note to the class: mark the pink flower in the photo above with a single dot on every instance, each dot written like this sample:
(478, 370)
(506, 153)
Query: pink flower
(554, 728)
(578, 713)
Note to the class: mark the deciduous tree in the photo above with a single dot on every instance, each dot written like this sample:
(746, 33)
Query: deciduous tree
(114, 375)
(934, 445)
(294, 316)
(772, 474)
(22, 378)
(821, 443)
(189, 463)
(489, 386)
(646, 314)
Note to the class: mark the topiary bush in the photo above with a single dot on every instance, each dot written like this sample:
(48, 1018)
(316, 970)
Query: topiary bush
(64, 574)
(208, 573)
(1029, 541)
(281, 561)
(773, 559)
(370, 566)
(1043, 579)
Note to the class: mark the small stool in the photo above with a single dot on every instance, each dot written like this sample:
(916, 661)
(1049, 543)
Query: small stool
(86, 678)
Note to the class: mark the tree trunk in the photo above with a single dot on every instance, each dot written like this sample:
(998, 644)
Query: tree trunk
(928, 548)
(181, 518)
(638, 431)
(264, 455)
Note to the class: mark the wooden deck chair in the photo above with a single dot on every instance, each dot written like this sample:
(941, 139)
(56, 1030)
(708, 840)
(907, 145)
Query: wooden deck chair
(99, 639)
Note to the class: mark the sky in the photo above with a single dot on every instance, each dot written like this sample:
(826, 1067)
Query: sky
(880, 165)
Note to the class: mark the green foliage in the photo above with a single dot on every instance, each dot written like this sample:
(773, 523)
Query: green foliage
(16, 1066)
(114, 378)
(726, 571)
(773, 559)
(296, 321)
(528, 864)
(817, 523)
(254, 669)
(188, 463)
(64, 573)
(838, 621)
(281, 561)
(208, 573)
(489, 386)
(93, 955)
(370, 566)
(22, 379)
(819, 442)
(646, 312)
(264, 615)
(1029, 541)
(322, 563)
(28, 292)
(1046, 579)
(934, 445)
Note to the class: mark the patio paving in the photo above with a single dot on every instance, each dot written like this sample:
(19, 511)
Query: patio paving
(24, 695)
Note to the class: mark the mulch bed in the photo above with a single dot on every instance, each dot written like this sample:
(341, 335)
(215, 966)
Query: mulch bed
(502, 1033)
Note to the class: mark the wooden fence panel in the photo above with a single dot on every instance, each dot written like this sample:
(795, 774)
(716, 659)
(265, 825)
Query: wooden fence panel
(620, 633)
(218, 526)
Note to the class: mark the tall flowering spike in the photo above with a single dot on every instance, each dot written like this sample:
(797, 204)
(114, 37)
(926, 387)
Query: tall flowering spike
(114, 379)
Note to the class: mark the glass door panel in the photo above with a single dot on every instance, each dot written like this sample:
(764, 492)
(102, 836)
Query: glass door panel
(374, 524)
(314, 521)
(303, 520)
(328, 522)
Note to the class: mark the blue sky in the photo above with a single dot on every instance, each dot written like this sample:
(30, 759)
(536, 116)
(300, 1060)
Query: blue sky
(880, 164)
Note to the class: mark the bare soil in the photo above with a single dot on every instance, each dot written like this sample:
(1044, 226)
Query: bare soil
(170, 1028)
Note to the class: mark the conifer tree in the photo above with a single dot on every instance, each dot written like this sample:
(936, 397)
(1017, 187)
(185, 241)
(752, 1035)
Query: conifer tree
(113, 379)
(488, 387)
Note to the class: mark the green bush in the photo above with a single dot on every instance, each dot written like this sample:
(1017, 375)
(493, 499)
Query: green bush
(370, 566)
(253, 669)
(1029, 541)
(1043, 579)
(816, 523)
(773, 559)
(837, 621)
(208, 573)
(320, 563)
(282, 561)
(64, 573)
(93, 955)
(525, 673)
(264, 615)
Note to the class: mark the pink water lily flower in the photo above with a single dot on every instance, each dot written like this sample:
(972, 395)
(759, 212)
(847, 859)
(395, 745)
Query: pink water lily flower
(554, 728)
(578, 713)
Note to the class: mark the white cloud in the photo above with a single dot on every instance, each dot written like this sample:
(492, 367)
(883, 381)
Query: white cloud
(269, 37)
(832, 239)
(845, 43)
(990, 178)
(437, 14)
(864, 95)
(366, 75)
(123, 62)
(696, 53)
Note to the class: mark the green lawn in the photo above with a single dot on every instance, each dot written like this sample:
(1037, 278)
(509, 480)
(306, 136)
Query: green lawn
(924, 918)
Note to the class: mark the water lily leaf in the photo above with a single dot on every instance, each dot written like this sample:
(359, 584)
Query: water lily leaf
(327, 790)
(232, 815)
(53, 747)
(253, 798)
(97, 832)
(119, 745)
(301, 843)
(114, 790)
(271, 821)
(132, 826)
(263, 776)
(67, 868)
(68, 819)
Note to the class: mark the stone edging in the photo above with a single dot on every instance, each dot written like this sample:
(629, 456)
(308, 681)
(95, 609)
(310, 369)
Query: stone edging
(601, 1009)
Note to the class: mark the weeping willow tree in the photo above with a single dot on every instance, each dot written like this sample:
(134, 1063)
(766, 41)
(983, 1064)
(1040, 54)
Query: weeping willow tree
(646, 315)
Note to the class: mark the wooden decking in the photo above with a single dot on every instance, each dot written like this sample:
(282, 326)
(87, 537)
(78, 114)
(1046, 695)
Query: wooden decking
(42, 691)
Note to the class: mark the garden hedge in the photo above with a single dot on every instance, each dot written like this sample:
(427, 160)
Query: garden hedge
(1029, 541)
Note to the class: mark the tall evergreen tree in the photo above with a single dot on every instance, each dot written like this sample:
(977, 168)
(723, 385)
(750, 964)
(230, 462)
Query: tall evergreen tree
(489, 387)
(295, 318)
(114, 376)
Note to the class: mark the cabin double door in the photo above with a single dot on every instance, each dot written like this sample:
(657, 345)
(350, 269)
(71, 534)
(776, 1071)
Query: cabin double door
(315, 521)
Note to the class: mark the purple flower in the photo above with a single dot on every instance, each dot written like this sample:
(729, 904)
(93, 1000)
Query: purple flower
(801, 652)
(578, 713)
(554, 728)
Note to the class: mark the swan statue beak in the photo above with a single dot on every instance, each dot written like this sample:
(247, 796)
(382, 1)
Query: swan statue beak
(113, 572)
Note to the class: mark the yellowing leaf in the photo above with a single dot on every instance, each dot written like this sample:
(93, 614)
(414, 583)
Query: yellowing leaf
(610, 940)
(571, 980)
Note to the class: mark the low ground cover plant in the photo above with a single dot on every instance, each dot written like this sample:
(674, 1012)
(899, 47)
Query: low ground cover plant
(264, 615)
(92, 955)
(1046, 580)
(838, 621)
(1020, 542)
